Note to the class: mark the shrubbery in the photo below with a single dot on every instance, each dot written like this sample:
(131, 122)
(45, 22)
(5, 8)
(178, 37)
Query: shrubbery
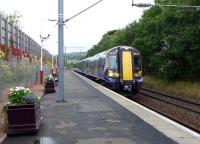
(168, 38)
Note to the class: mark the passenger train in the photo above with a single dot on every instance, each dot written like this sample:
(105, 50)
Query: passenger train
(120, 67)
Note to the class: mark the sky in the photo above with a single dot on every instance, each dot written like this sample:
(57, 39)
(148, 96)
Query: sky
(80, 33)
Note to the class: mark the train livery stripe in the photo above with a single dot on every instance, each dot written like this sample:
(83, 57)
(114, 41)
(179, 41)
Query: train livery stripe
(127, 66)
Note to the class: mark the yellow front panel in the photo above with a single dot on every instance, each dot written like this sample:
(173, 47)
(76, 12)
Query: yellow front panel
(127, 65)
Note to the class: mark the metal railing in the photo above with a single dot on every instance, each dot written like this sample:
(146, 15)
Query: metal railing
(17, 73)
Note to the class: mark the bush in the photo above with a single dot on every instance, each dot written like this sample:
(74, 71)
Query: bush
(21, 95)
(48, 78)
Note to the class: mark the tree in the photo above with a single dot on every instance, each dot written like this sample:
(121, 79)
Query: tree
(14, 18)
(168, 38)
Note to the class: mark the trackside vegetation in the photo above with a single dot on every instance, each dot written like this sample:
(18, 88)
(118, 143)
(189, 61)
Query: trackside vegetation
(183, 88)
(168, 38)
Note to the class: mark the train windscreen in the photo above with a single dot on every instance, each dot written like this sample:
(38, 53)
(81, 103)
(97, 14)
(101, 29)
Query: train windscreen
(113, 65)
(137, 62)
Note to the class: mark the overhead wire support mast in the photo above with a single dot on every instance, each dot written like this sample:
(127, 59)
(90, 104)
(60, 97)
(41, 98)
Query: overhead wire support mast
(60, 50)
(61, 23)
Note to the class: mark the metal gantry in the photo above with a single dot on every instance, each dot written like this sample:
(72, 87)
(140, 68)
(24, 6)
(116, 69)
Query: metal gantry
(162, 5)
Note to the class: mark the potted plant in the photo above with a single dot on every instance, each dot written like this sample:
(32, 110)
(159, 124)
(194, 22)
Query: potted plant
(22, 111)
(49, 84)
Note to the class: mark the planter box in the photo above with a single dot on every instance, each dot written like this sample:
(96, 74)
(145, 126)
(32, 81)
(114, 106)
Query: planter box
(49, 86)
(23, 118)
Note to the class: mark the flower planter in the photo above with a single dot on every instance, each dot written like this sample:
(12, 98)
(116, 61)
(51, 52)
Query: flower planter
(49, 86)
(23, 118)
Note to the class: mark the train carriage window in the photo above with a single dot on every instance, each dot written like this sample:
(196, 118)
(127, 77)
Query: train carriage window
(102, 64)
(137, 62)
(112, 60)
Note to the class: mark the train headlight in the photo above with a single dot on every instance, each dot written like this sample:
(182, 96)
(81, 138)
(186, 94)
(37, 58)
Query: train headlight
(139, 74)
(112, 74)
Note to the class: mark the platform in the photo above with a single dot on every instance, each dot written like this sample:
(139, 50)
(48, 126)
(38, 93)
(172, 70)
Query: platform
(93, 114)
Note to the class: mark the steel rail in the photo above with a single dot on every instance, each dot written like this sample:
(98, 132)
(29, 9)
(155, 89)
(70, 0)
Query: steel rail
(182, 122)
(173, 97)
(168, 101)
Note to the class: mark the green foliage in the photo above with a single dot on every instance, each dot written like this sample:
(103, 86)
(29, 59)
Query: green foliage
(109, 40)
(2, 55)
(16, 95)
(8, 75)
(19, 95)
(168, 38)
(48, 78)
(75, 55)
(12, 18)
(183, 88)
(70, 64)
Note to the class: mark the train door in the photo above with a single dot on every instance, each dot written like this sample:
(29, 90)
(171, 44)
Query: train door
(126, 66)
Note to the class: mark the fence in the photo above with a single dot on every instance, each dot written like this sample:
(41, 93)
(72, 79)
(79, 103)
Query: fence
(15, 72)
(19, 49)
(15, 41)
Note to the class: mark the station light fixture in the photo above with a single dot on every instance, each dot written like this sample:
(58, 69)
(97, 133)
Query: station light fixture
(42, 38)
(141, 4)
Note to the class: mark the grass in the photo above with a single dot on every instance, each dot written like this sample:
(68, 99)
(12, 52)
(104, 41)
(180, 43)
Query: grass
(74, 61)
(182, 88)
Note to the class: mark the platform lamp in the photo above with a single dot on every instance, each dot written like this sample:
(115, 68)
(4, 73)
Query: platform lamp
(42, 38)
(52, 65)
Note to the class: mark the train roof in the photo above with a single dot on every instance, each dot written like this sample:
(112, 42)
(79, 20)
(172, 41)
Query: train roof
(99, 55)
(102, 54)
(125, 47)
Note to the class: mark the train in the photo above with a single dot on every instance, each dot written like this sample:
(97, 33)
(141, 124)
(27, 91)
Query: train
(119, 67)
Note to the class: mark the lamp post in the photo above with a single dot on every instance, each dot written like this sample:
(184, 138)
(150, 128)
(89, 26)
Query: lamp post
(56, 65)
(65, 57)
(41, 57)
(52, 65)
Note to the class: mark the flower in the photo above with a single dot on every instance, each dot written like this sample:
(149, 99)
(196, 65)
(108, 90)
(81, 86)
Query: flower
(11, 90)
(18, 95)
(48, 78)
(2, 55)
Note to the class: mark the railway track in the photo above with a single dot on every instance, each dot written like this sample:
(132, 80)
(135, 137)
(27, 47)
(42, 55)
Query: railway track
(184, 103)
(180, 109)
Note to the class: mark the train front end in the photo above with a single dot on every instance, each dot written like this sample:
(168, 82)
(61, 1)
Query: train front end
(130, 69)
(125, 67)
